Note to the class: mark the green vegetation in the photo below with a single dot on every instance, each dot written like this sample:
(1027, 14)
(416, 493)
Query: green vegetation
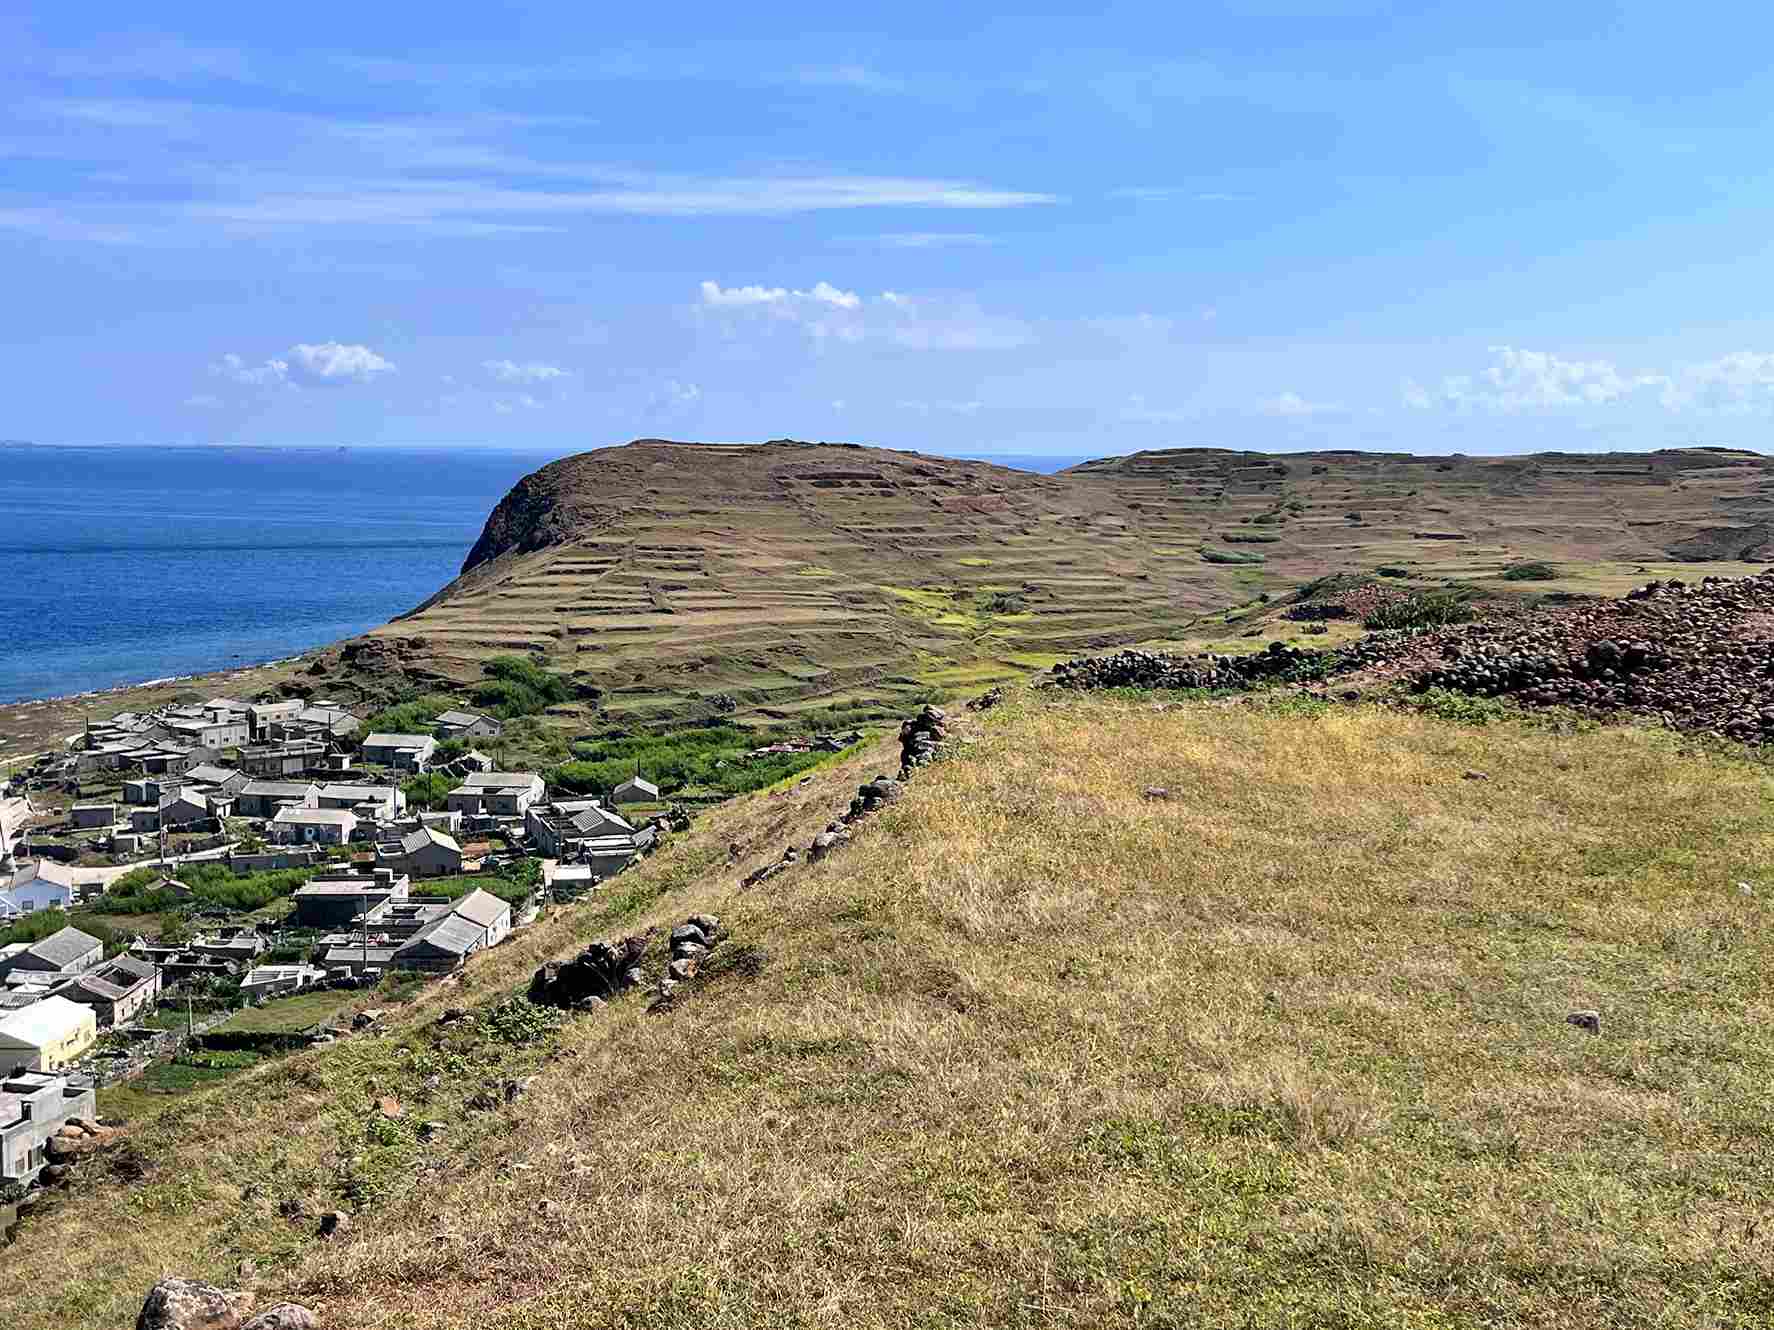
(289, 1015)
(1529, 572)
(35, 927)
(1337, 1090)
(213, 885)
(430, 791)
(1211, 555)
(1391, 570)
(414, 716)
(518, 687)
(1249, 538)
(1423, 611)
(713, 759)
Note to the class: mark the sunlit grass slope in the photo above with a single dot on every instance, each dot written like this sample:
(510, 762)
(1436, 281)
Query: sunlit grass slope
(1286, 1048)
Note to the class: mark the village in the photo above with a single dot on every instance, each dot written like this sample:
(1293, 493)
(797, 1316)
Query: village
(241, 868)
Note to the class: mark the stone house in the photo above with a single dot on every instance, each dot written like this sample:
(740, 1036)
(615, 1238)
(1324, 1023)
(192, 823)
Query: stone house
(339, 901)
(47, 1035)
(90, 817)
(280, 760)
(496, 793)
(117, 990)
(558, 828)
(275, 980)
(478, 921)
(67, 951)
(33, 1107)
(42, 885)
(403, 752)
(634, 790)
(373, 802)
(426, 852)
(265, 798)
(467, 725)
(312, 826)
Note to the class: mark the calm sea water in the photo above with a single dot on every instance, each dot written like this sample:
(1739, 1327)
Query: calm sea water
(119, 565)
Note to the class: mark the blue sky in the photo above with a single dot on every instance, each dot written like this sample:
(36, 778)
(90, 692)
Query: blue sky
(1278, 224)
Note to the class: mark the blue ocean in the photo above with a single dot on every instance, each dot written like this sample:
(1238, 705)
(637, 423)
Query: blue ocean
(128, 564)
(123, 565)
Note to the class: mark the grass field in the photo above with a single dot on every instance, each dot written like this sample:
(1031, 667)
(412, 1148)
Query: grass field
(1287, 1048)
(293, 1014)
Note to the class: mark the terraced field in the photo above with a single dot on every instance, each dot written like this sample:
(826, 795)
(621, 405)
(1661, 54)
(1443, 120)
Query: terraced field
(825, 584)
(798, 577)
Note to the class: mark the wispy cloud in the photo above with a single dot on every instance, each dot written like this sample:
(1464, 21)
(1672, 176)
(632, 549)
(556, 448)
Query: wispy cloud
(830, 314)
(1291, 405)
(934, 239)
(510, 371)
(1175, 194)
(851, 76)
(149, 167)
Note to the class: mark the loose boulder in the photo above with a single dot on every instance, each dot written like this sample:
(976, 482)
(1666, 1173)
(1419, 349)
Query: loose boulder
(191, 1304)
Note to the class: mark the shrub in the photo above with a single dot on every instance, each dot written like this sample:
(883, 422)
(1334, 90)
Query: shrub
(1249, 538)
(1430, 611)
(1391, 570)
(1229, 556)
(517, 687)
(430, 791)
(1529, 572)
(414, 715)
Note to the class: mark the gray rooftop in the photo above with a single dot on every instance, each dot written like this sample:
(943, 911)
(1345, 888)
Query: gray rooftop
(64, 948)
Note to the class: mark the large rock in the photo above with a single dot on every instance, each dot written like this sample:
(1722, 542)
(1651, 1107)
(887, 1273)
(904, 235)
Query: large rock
(191, 1304)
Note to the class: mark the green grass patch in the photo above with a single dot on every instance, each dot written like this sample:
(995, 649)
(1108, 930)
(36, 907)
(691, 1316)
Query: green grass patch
(1211, 555)
(1529, 572)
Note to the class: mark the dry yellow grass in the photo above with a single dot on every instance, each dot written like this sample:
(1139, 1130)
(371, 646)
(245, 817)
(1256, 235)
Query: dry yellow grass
(1286, 1049)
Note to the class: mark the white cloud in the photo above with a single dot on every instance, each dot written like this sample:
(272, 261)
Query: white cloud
(830, 315)
(234, 367)
(510, 371)
(1291, 404)
(934, 239)
(824, 293)
(205, 402)
(1516, 381)
(328, 364)
(316, 365)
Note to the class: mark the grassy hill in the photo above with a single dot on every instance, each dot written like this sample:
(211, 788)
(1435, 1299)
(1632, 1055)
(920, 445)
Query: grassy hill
(1287, 1047)
(795, 586)
(814, 579)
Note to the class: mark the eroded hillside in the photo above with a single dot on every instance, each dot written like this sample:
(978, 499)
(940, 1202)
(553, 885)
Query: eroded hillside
(798, 577)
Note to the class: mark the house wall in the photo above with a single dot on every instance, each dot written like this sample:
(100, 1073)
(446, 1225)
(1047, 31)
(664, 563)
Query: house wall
(56, 1052)
(22, 1145)
(39, 894)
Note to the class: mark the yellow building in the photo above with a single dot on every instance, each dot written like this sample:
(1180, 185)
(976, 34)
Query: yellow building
(46, 1035)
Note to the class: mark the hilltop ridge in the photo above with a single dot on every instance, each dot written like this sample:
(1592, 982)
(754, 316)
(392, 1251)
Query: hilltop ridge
(796, 577)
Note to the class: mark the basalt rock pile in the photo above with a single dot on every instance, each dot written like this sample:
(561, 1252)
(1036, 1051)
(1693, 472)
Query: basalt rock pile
(1155, 669)
(600, 971)
(1694, 657)
(919, 737)
(690, 942)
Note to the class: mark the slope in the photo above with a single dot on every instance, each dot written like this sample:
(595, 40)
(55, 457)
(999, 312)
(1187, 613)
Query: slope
(794, 577)
(1287, 1046)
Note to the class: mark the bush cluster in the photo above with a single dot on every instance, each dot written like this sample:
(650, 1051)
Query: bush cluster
(1425, 611)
